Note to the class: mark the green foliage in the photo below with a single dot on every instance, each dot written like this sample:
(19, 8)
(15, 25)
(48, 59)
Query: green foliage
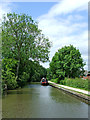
(23, 47)
(67, 62)
(23, 40)
(23, 79)
(55, 80)
(49, 75)
(8, 74)
(76, 83)
(38, 72)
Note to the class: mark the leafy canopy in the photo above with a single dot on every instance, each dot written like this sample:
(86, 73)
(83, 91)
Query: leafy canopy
(67, 62)
(23, 47)
(22, 39)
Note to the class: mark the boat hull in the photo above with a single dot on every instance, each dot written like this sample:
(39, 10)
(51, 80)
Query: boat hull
(44, 83)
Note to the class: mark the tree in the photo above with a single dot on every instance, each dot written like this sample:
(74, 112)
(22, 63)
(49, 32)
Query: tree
(49, 75)
(37, 73)
(67, 62)
(22, 40)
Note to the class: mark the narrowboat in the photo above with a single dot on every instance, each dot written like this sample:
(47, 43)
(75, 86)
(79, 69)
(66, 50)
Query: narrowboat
(44, 81)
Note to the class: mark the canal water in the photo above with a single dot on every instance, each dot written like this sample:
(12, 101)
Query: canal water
(36, 101)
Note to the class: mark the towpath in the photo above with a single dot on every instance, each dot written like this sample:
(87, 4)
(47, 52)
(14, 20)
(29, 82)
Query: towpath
(71, 88)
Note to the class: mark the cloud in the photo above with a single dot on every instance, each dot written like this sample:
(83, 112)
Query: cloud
(64, 25)
(67, 6)
(4, 8)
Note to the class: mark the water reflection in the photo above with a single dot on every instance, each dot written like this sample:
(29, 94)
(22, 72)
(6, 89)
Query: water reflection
(62, 97)
(36, 101)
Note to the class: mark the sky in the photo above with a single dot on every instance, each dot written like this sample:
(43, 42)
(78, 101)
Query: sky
(64, 22)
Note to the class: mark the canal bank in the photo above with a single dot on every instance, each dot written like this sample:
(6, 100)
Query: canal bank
(81, 94)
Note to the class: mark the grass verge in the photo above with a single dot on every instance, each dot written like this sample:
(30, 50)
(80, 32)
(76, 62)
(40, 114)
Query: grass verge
(75, 83)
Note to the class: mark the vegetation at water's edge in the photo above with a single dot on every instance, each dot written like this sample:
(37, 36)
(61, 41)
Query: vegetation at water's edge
(76, 83)
(33, 72)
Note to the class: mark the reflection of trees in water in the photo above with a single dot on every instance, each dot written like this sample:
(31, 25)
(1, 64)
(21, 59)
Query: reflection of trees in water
(62, 97)
(28, 89)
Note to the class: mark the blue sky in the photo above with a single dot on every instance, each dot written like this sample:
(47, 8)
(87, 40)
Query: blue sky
(33, 9)
(64, 22)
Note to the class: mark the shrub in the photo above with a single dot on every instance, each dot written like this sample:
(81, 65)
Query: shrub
(63, 82)
(9, 79)
(55, 80)
(8, 73)
(23, 79)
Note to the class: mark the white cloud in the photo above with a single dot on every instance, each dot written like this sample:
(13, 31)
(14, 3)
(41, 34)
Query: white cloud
(4, 8)
(64, 25)
(67, 6)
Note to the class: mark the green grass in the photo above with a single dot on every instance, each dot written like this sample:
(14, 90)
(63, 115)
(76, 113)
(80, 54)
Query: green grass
(71, 90)
(76, 83)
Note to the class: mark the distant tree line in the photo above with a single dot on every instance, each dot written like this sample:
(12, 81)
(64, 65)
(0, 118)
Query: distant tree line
(23, 48)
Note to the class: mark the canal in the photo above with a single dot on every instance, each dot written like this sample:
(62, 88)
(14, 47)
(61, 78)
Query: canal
(36, 101)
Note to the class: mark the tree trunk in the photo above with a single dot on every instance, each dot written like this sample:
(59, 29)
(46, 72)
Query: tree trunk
(18, 68)
(68, 75)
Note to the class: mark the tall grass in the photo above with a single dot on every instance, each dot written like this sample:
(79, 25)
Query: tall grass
(76, 83)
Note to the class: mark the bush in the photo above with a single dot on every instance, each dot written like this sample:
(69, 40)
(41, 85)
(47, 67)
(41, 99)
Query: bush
(11, 83)
(9, 79)
(55, 80)
(8, 73)
(63, 82)
(23, 79)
